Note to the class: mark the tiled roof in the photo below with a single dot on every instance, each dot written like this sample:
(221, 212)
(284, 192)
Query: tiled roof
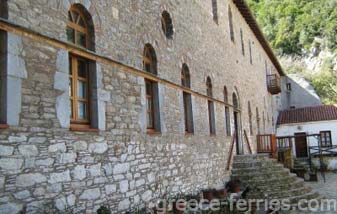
(308, 114)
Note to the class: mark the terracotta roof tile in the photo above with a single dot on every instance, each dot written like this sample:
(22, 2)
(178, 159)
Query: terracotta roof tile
(308, 114)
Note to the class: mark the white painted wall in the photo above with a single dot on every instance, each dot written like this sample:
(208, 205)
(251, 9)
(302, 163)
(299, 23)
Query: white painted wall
(309, 128)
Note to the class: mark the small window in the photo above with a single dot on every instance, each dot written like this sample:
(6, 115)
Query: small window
(289, 86)
(209, 87)
(151, 87)
(225, 94)
(242, 43)
(250, 116)
(326, 138)
(250, 52)
(187, 99)
(228, 121)
(215, 11)
(230, 20)
(264, 122)
(167, 25)
(211, 114)
(258, 121)
(235, 101)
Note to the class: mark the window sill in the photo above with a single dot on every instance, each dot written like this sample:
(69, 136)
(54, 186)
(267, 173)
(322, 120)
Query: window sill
(76, 128)
(4, 126)
(153, 132)
(189, 134)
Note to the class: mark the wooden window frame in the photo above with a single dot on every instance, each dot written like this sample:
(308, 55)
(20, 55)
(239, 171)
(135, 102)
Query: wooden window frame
(150, 127)
(324, 133)
(74, 24)
(77, 123)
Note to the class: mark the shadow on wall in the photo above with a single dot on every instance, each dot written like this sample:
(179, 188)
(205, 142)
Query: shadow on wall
(298, 93)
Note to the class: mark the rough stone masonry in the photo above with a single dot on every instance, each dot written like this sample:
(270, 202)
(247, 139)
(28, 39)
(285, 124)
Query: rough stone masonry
(43, 164)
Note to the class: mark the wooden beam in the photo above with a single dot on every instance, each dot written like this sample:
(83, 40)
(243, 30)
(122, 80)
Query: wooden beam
(10, 27)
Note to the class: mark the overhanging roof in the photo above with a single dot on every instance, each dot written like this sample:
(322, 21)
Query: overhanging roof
(251, 21)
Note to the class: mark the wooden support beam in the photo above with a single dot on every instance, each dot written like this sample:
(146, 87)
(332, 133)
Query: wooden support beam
(10, 27)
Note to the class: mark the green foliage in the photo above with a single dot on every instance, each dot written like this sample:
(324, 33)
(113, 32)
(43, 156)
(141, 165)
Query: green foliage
(292, 25)
(325, 84)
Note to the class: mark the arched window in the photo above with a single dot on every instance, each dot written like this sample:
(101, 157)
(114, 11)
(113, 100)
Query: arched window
(215, 11)
(188, 114)
(185, 76)
(211, 113)
(227, 113)
(250, 115)
(167, 25)
(80, 32)
(258, 120)
(235, 101)
(209, 87)
(150, 59)
(151, 88)
(230, 20)
(225, 94)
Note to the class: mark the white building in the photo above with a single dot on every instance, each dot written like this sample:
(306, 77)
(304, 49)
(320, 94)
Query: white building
(302, 124)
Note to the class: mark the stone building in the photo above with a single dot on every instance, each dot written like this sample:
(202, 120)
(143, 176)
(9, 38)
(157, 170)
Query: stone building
(102, 101)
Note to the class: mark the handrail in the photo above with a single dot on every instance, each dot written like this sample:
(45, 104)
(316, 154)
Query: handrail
(247, 140)
(229, 160)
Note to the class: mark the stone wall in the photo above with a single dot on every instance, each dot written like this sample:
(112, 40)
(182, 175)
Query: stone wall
(43, 164)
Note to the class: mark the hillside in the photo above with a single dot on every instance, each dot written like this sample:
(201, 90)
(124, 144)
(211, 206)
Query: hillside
(303, 33)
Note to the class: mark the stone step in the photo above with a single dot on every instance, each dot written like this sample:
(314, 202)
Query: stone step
(261, 175)
(251, 157)
(257, 164)
(282, 180)
(292, 192)
(252, 170)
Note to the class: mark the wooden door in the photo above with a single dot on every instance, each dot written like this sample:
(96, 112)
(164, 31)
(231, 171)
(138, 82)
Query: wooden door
(301, 145)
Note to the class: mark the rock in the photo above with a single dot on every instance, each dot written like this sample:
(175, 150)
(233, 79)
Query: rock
(111, 188)
(37, 140)
(68, 158)
(124, 186)
(44, 162)
(123, 205)
(121, 168)
(28, 150)
(22, 195)
(95, 170)
(39, 191)
(11, 163)
(71, 200)
(151, 177)
(59, 177)
(140, 182)
(79, 173)
(108, 169)
(80, 146)
(17, 139)
(98, 148)
(91, 194)
(26, 180)
(6, 150)
(59, 147)
(11, 208)
(2, 182)
(147, 195)
(61, 203)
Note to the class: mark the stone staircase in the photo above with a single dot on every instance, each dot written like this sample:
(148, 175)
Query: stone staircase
(268, 179)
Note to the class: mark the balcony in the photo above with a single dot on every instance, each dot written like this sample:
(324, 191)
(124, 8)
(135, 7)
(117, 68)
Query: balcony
(273, 84)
